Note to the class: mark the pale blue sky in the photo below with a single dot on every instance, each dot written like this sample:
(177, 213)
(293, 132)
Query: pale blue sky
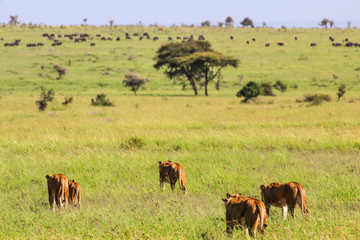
(299, 13)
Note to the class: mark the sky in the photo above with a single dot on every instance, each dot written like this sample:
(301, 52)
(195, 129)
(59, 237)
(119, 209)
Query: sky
(290, 13)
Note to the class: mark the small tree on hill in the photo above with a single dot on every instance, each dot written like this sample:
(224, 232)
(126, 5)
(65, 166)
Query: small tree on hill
(251, 90)
(229, 22)
(324, 22)
(280, 86)
(134, 81)
(206, 23)
(247, 22)
(111, 22)
(101, 100)
(13, 20)
(341, 91)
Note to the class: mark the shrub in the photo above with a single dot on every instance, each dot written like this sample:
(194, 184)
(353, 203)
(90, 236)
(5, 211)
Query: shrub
(134, 81)
(251, 90)
(60, 70)
(317, 99)
(45, 97)
(266, 89)
(67, 101)
(133, 143)
(281, 86)
(101, 100)
(341, 91)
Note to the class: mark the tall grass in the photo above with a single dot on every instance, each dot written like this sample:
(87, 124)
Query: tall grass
(224, 146)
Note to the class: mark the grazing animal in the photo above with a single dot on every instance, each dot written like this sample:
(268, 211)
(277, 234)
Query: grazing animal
(247, 42)
(313, 44)
(267, 44)
(171, 173)
(245, 212)
(75, 193)
(232, 37)
(280, 44)
(118, 39)
(58, 190)
(254, 39)
(285, 196)
(92, 44)
(331, 38)
(170, 39)
(296, 38)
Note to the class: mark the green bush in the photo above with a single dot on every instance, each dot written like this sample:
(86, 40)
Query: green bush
(251, 90)
(101, 100)
(45, 97)
(266, 89)
(317, 99)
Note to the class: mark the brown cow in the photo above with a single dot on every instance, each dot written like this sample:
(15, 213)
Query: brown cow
(285, 196)
(75, 193)
(245, 212)
(58, 190)
(171, 173)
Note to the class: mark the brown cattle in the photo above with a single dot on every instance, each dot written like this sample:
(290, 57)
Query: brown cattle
(245, 212)
(284, 196)
(75, 193)
(58, 190)
(171, 173)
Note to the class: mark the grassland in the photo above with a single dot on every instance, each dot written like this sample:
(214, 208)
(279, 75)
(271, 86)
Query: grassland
(224, 146)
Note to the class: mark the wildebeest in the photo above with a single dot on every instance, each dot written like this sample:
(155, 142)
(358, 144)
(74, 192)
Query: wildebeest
(178, 38)
(170, 39)
(336, 44)
(346, 39)
(1, 39)
(45, 35)
(103, 38)
(118, 39)
(349, 44)
(331, 38)
(109, 39)
(247, 42)
(39, 44)
(280, 44)
(267, 44)
(296, 38)
(254, 39)
(135, 34)
(231, 37)
(201, 38)
(155, 38)
(92, 44)
(59, 36)
(31, 45)
(313, 44)
(98, 35)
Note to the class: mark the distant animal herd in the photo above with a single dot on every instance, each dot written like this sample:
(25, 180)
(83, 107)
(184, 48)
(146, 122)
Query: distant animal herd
(85, 37)
(241, 212)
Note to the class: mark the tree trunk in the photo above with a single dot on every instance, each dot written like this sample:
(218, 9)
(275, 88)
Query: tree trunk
(192, 82)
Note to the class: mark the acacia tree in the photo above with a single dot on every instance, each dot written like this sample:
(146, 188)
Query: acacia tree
(229, 22)
(210, 64)
(194, 60)
(247, 22)
(170, 56)
(134, 81)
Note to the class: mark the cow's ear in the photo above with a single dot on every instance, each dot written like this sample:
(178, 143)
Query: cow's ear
(159, 162)
(228, 195)
(262, 186)
(73, 180)
(224, 200)
(169, 161)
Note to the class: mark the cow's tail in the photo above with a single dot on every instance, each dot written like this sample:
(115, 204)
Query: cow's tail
(260, 208)
(301, 200)
(182, 180)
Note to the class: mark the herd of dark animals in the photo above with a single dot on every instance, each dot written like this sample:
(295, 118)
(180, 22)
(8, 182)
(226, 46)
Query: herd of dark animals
(241, 212)
(84, 37)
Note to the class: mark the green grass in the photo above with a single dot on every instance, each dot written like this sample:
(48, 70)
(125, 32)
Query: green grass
(224, 146)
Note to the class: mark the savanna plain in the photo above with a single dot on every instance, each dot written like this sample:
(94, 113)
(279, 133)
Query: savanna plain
(224, 145)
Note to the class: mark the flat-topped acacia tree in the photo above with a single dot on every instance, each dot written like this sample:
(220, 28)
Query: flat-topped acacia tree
(194, 60)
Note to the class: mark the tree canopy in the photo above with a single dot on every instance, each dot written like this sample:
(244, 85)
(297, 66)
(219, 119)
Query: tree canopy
(194, 60)
(247, 22)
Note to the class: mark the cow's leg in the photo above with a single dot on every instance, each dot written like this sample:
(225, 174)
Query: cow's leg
(284, 211)
(172, 184)
(292, 208)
